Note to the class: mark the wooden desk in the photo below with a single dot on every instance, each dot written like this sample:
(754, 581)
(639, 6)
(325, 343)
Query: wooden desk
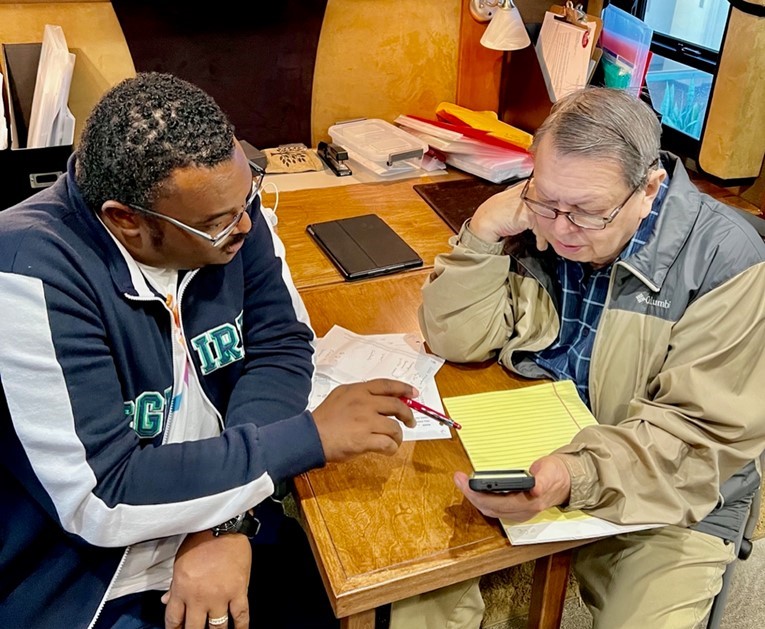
(395, 202)
(385, 528)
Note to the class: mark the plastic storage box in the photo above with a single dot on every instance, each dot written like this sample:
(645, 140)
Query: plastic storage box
(379, 145)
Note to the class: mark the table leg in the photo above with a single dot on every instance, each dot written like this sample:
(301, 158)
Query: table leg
(362, 620)
(548, 592)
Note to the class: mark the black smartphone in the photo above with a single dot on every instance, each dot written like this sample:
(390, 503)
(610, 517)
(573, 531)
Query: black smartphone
(501, 481)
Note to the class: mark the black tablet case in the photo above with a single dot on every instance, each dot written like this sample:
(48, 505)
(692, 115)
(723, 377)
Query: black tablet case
(363, 246)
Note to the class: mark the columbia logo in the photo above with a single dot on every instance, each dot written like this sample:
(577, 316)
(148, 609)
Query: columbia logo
(642, 298)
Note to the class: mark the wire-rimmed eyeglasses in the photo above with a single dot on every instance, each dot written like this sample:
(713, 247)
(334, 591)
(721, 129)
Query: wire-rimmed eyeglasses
(217, 239)
(585, 221)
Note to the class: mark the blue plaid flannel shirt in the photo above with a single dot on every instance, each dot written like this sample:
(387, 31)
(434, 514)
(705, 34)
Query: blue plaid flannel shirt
(582, 297)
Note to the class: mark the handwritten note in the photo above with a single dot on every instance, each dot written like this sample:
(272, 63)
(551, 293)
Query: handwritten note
(512, 429)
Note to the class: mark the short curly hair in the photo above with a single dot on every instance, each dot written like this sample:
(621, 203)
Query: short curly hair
(141, 131)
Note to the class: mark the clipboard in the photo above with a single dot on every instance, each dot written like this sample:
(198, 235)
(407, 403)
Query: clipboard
(565, 47)
(575, 15)
(525, 101)
(363, 246)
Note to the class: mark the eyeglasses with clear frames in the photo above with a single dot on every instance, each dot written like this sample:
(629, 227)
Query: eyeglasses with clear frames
(220, 237)
(585, 221)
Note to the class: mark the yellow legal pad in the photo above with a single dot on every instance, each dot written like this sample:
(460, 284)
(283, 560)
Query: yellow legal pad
(513, 428)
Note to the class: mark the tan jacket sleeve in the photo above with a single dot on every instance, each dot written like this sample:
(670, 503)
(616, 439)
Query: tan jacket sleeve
(702, 417)
(472, 306)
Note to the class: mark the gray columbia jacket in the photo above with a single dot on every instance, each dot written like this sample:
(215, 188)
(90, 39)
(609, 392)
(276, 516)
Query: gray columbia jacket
(676, 371)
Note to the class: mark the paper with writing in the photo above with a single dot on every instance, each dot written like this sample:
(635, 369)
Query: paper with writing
(348, 357)
(565, 50)
(343, 357)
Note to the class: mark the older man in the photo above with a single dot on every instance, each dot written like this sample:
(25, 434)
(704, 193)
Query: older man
(155, 362)
(609, 268)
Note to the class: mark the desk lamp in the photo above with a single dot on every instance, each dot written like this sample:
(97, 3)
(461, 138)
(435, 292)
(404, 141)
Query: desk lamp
(506, 31)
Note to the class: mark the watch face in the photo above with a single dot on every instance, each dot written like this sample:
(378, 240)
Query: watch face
(229, 526)
(245, 523)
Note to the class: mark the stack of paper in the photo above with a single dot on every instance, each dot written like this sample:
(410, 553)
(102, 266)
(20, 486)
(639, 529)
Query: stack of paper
(471, 150)
(512, 429)
(343, 357)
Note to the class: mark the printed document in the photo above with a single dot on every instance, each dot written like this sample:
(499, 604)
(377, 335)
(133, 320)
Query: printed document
(565, 52)
(512, 429)
(344, 357)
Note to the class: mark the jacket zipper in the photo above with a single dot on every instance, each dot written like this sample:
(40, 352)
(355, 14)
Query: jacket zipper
(181, 290)
(109, 588)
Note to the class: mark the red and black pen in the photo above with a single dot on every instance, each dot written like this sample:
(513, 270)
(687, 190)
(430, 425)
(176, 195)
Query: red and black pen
(430, 412)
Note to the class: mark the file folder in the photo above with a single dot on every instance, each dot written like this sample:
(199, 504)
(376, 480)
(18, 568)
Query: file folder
(25, 171)
(20, 62)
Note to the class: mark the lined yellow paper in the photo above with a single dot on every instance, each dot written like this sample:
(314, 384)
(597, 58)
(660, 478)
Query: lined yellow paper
(513, 428)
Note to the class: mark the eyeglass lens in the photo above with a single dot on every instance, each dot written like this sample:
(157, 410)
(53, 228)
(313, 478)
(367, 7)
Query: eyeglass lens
(585, 221)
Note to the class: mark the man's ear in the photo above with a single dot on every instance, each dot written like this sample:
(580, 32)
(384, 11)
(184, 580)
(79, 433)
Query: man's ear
(655, 179)
(118, 216)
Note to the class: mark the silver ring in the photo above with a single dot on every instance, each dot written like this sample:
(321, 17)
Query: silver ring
(220, 620)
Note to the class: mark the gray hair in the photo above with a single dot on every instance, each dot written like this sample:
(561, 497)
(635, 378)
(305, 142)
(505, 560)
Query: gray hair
(141, 131)
(603, 123)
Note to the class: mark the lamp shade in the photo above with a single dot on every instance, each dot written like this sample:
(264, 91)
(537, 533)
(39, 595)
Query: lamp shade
(506, 31)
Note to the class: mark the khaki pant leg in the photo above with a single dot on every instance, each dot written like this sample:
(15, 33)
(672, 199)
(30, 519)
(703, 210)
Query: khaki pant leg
(663, 578)
(458, 606)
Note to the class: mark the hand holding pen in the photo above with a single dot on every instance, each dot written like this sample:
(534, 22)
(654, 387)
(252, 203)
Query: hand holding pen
(363, 417)
(430, 412)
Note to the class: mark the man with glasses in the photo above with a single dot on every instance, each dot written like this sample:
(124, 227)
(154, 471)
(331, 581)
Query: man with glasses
(155, 363)
(609, 268)
(220, 231)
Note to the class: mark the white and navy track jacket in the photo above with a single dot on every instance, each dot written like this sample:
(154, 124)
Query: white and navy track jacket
(86, 375)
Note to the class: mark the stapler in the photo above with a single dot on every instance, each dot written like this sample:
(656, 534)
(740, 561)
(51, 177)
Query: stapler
(334, 155)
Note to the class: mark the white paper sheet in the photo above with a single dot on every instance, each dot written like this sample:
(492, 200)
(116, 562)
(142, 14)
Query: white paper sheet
(343, 357)
(564, 52)
(51, 121)
(346, 357)
(555, 525)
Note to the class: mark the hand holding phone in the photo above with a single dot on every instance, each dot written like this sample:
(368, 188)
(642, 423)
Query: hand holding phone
(501, 481)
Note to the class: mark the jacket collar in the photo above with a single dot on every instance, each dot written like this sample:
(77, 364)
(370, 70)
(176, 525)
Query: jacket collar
(125, 273)
(678, 214)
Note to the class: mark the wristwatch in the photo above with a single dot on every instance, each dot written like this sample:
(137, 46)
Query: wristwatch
(244, 523)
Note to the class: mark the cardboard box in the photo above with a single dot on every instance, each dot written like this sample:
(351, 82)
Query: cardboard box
(94, 35)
